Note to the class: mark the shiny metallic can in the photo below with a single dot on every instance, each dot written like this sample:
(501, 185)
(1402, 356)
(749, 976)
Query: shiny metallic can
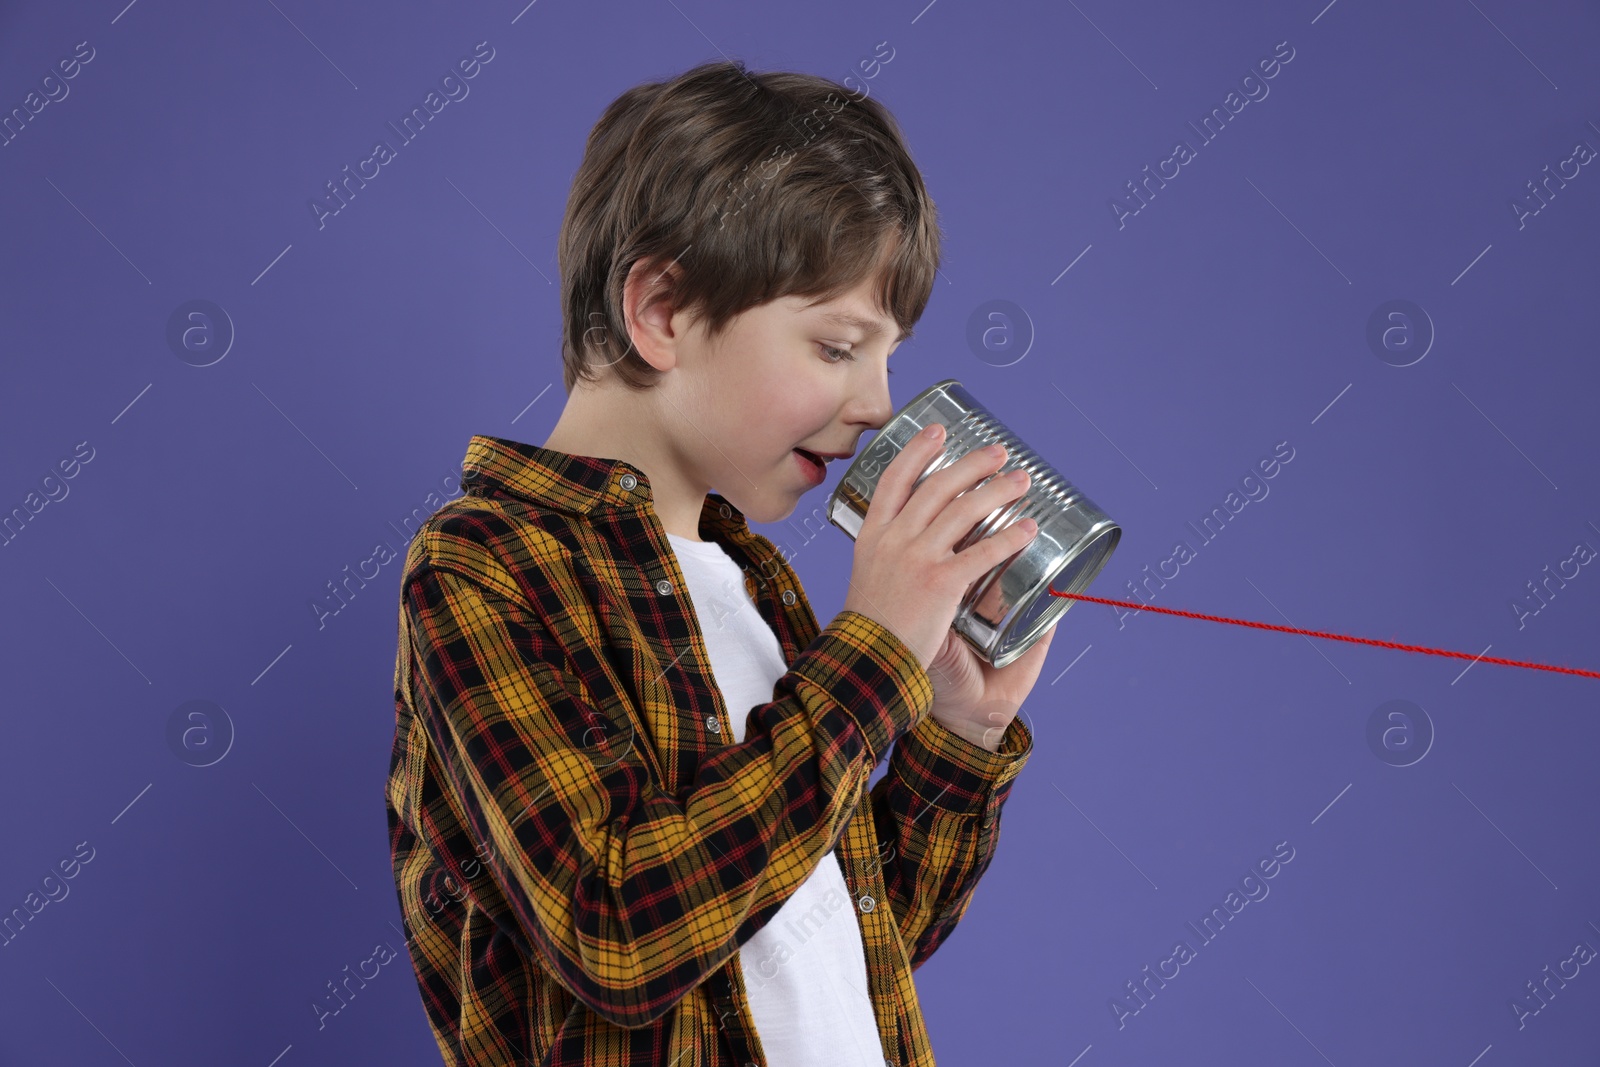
(1010, 607)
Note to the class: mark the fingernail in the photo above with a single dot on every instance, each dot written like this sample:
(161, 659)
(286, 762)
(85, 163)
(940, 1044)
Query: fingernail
(995, 450)
(933, 432)
(1028, 526)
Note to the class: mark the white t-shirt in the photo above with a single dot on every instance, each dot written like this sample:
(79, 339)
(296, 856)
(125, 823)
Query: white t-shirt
(805, 971)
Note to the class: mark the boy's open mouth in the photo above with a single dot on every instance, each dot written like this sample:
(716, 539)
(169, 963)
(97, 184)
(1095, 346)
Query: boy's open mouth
(816, 466)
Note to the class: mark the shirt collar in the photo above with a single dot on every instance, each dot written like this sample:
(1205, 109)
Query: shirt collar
(577, 484)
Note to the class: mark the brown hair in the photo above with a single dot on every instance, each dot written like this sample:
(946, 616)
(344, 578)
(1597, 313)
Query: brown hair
(758, 186)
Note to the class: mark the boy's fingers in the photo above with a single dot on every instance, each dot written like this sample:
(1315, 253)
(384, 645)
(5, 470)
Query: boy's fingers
(894, 487)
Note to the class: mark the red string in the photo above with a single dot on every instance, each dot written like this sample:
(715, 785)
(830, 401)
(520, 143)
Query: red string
(1331, 637)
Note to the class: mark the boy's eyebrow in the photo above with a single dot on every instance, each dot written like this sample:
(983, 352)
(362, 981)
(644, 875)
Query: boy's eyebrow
(855, 322)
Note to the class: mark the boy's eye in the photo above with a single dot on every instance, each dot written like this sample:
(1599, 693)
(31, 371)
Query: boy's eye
(844, 354)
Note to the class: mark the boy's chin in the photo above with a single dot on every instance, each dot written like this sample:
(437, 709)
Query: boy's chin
(768, 509)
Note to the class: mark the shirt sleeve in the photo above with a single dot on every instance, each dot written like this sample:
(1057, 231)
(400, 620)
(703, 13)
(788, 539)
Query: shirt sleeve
(937, 815)
(627, 896)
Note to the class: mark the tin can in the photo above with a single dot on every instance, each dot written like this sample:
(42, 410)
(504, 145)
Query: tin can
(1009, 607)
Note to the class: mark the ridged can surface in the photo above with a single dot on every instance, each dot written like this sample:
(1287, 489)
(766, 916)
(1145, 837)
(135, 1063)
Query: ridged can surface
(1009, 607)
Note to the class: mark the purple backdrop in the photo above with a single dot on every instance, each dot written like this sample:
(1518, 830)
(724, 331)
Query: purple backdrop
(1373, 271)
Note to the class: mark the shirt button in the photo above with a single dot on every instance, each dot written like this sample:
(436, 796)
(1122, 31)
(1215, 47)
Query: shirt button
(867, 903)
(713, 724)
(629, 481)
(788, 596)
(663, 587)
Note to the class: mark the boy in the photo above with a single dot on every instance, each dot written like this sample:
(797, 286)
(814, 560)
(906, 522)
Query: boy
(628, 800)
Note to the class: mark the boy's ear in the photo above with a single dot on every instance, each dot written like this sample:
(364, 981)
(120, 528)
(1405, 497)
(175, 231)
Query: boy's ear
(649, 307)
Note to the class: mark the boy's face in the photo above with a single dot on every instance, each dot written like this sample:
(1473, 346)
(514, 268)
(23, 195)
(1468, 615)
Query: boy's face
(782, 376)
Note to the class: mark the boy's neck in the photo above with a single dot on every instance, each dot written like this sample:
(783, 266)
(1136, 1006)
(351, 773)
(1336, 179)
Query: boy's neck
(611, 423)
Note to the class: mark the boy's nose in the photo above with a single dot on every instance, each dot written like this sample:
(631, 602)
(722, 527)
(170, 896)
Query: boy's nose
(878, 407)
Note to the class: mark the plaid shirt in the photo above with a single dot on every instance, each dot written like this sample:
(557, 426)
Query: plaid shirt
(578, 844)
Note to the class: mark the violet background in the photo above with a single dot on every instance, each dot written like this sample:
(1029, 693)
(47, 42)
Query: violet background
(1167, 357)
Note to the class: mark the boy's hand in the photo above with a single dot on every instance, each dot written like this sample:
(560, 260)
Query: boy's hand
(976, 700)
(906, 573)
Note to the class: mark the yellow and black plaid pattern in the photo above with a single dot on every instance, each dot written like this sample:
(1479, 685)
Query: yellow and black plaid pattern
(579, 846)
